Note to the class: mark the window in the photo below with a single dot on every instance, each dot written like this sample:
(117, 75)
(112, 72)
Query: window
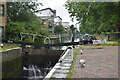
(1, 10)
(1, 31)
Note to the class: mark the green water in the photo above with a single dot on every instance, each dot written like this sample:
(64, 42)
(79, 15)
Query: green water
(63, 40)
(13, 68)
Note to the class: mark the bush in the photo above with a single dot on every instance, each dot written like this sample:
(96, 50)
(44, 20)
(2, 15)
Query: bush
(59, 29)
(13, 30)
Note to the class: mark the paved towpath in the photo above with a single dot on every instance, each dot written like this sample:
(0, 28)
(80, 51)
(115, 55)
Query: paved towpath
(101, 62)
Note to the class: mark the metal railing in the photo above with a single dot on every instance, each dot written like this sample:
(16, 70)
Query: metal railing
(33, 38)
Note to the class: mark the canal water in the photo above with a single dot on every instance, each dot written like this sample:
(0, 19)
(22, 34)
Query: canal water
(61, 40)
(38, 65)
(41, 63)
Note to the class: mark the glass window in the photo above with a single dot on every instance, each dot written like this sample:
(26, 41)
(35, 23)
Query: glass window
(1, 31)
(1, 10)
(86, 37)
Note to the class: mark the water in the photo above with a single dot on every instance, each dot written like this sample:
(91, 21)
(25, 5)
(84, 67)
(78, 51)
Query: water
(38, 67)
(63, 40)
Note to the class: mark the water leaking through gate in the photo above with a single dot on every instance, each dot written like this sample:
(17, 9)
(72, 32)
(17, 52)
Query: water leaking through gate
(33, 63)
(37, 61)
(39, 71)
(39, 64)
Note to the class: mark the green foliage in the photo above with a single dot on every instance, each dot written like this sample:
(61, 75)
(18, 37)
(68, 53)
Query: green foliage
(21, 11)
(9, 46)
(72, 28)
(59, 29)
(13, 30)
(95, 17)
(21, 19)
(104, 44)
(114, 38)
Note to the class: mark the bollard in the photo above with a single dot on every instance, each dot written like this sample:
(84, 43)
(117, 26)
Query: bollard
(1, 45)
(81, 51)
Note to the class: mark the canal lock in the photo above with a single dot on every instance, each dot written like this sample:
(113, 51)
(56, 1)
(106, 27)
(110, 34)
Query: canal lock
(35, 64)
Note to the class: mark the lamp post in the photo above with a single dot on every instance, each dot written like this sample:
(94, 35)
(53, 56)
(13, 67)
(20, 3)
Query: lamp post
(72, 29)
(73, 35)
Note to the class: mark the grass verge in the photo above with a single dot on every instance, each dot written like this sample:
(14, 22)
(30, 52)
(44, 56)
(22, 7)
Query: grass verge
(9, 46)
(105, 44)
(70, 73)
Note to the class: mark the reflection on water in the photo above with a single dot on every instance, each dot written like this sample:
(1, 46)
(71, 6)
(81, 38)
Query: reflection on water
(38, 67)
(63, 40)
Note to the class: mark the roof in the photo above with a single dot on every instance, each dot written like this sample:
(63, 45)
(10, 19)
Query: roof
(59, 17)
(54, 11)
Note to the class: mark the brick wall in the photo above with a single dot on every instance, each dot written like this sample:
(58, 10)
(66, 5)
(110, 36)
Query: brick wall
(3, 18)
(14, 53)
(11, 54)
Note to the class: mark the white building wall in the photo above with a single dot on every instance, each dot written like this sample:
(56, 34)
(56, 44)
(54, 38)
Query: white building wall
(45, 13)
(65, 24)
(57, 20)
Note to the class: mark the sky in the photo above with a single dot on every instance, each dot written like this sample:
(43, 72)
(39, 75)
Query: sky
(58, 5)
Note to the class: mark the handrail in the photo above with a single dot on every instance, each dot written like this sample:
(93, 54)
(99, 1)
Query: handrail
(46, 37)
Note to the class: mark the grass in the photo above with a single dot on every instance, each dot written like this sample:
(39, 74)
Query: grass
(9, 46)
(101, 36)
(105, 44)
(112, 38)
(70, 73)
(113, 41)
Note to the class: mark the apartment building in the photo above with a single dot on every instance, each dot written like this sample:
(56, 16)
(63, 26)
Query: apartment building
(2, 18)
(47, 15)
(58, 20)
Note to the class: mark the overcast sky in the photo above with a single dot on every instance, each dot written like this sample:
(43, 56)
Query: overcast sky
(58, 5)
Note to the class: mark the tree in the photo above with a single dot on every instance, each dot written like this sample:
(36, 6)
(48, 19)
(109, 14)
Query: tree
(95, 17)
(13, 30)
(21, 11)
(21, 18)
(59, 29)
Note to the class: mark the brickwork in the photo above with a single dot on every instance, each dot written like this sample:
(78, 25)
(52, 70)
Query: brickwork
(101, 62)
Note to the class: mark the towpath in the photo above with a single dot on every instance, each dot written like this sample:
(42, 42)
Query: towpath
(101, 62)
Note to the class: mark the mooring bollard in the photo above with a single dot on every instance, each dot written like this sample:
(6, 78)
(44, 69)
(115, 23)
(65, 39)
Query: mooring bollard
(1, 45)
(82, 61)
(81, 51)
